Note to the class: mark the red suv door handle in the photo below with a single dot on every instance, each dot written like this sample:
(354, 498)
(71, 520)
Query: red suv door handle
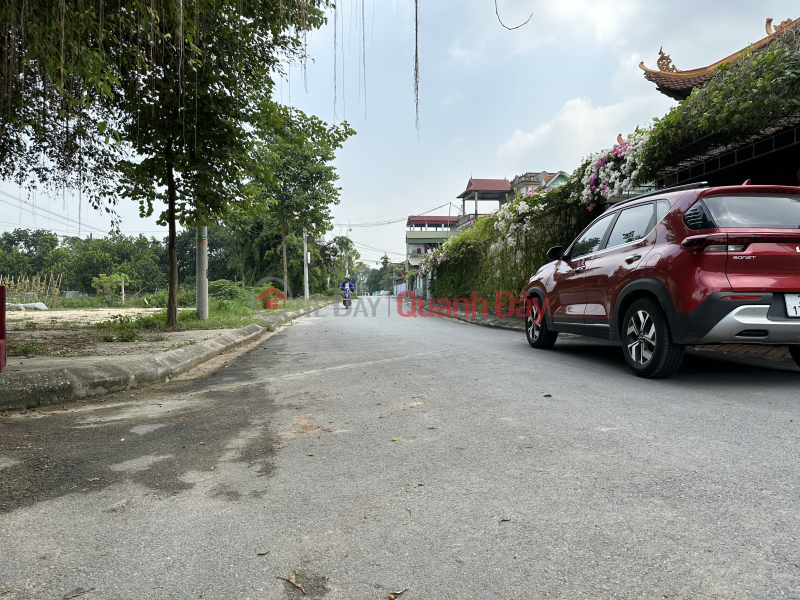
(633, 258)
(579, 269)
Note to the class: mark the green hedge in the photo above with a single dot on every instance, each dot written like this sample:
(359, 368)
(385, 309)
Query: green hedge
(479, 261)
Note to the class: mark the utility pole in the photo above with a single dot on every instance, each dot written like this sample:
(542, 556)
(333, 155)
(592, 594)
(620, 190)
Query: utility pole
(305, 266)
(201, 285)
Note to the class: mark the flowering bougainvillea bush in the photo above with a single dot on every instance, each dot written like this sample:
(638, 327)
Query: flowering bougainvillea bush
(614, 172)
(500, 250)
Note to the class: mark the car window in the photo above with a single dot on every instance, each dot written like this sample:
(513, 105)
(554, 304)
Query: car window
(762, 211)
(662, 208)
(590, 241)
(633, 224)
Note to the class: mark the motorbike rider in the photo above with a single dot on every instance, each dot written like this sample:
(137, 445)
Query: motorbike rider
(346, 288)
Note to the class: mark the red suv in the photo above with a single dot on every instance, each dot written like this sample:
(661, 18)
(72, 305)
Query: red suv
(684, 266)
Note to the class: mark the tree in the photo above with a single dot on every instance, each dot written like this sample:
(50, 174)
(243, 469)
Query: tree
(346, 256)
(89, 262)
(360, 273)
(166, 95)
(190, 115)
(24, 252)
(374, 280)
(107, 285)
(300, 184)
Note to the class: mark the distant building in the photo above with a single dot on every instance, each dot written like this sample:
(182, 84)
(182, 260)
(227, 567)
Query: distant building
(399, 284)
(535, 182)
(425, 233)
(482, 190)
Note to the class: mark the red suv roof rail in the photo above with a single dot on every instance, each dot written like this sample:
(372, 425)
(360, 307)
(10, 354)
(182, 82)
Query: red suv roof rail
(749, 189)
(662, 191)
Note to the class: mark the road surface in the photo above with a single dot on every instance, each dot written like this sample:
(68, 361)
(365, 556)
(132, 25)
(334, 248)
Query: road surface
(361, 456)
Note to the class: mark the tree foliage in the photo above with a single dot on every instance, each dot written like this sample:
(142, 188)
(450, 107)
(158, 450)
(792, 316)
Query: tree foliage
(293, 182)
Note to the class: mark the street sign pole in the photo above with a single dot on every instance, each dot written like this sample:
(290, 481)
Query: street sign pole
(305, 266)
(201, 285)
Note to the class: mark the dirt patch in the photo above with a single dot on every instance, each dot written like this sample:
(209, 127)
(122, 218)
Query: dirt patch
(300, 426)
(72, 333)
(78, 318)
(31, 348)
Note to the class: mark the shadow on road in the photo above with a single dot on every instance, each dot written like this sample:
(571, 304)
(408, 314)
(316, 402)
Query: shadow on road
(707, 364)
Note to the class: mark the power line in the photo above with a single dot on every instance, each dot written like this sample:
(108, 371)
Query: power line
(58, 222)
(39, 209)
(382, 223)
(378, 249)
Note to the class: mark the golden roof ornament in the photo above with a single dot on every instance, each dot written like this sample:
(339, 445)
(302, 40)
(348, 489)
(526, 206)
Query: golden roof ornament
(664, 62)
(621, 140)
(778, 28)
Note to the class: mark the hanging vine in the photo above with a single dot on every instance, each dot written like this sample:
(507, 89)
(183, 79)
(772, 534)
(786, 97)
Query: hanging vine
(416, 64)
(64, 62)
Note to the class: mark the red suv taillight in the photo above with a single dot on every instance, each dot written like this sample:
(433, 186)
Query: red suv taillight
(715, 243)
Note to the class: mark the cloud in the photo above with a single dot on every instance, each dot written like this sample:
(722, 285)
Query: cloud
(452, 98)
(457, 51)
(576, 130)
(611, 19)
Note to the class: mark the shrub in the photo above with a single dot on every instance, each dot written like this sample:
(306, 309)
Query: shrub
(224, 289)
(186, 298)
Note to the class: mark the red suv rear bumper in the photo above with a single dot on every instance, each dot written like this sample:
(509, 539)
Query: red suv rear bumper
(724, 318)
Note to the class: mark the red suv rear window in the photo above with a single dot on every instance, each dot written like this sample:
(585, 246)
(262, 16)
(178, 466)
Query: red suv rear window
(760, 211)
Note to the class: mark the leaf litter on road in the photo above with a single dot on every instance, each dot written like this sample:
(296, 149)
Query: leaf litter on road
(78, 592)
(292, 578)
(397, 439)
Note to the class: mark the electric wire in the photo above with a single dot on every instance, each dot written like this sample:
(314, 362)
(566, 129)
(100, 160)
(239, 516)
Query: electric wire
(39, 209)
(382, 223)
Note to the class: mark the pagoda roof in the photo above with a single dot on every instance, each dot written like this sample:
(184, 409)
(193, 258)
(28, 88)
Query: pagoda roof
(678, 84)
(487, 189)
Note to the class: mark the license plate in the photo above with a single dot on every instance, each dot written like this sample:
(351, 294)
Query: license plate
(793, 305)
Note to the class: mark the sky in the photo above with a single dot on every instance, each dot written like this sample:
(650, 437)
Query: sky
(494, 103)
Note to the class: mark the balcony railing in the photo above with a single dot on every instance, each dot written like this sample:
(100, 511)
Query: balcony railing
(465, 220)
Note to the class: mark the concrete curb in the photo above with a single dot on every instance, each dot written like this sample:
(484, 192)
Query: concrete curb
(27, 389)
(508, 323)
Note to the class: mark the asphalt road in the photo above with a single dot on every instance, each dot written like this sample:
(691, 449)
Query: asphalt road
(520, 474)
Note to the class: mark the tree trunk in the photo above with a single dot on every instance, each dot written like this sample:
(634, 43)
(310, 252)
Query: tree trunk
(285, 263)
(172, 298)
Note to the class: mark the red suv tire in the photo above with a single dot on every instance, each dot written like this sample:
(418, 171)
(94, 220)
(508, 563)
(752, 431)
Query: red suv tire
(538, 334)
(647, 342)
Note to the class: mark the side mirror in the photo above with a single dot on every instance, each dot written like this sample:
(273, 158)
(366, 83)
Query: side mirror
(556, 253)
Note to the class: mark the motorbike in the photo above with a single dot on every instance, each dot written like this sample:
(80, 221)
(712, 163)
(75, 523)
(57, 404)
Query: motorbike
(347, 293)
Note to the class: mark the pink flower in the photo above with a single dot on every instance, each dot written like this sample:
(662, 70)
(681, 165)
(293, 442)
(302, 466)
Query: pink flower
(591, 207)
